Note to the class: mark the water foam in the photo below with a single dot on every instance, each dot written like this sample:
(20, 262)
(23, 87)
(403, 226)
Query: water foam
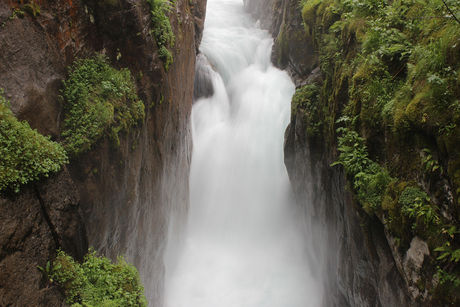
(245, 243)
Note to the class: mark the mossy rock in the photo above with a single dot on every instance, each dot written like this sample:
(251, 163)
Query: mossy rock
(329, 16)
(282, 48)
(114, 139)
(399, 224)
(309, 14)
(414, 111)
(354, 28)
(401, 121)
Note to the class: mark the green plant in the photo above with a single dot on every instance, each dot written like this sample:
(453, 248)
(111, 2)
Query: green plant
(47, 271)
(98, 99)
(166, 56)
(25, 154)
(161, 29)
(98, 282)
(447, 290)
(446, 277)
(32, 8)
(370, 186)
(16, 12)
(307, 100)
(447, 251)
(416, 204)
(429, 162)
(369, 180)
(353, 153)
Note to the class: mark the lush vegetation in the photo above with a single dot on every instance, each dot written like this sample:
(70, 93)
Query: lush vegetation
(98, 100)
(25, 154)
(97, 281)
(390, 104)
(161, 29)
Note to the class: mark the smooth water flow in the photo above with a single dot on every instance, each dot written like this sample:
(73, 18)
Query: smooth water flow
(245, 243)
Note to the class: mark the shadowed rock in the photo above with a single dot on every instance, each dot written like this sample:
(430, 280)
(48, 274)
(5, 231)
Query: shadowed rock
(203, 78)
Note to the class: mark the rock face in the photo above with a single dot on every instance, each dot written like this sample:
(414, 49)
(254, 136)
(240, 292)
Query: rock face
(126, 195)
(359, 266)
(34, 223)
(293, 49)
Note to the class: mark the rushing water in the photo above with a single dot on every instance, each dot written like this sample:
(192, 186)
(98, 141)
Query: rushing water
(245, 244)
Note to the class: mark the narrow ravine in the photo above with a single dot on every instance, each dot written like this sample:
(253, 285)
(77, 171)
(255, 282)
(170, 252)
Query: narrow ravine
(245, 243)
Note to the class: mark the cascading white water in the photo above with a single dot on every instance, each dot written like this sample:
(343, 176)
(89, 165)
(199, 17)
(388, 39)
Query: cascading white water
(245, 243)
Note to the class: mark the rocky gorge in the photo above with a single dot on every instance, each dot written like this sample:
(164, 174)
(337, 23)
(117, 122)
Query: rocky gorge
(373, 252)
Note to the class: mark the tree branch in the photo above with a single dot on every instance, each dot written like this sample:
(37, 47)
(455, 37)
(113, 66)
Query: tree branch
(431, 17)
(452, 13)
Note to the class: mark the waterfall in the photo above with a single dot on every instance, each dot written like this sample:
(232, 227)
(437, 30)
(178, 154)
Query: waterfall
(245, 243)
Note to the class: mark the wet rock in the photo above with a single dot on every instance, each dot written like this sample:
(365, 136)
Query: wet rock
(34, 224)
(413, 261)
(293, 49)
(199, 13)
(202, 84)
(358, 268)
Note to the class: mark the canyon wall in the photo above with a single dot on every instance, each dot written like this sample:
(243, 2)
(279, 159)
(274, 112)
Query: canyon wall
(361, 263)
(116, 200)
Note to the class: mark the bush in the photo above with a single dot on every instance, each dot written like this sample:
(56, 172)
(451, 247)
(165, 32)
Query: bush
(98, 97)
(416, 204)
(25, 153)
(97, 281)
(161, 29)
(369, 180)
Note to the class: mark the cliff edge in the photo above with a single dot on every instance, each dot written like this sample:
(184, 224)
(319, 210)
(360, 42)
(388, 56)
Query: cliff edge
(114, 198)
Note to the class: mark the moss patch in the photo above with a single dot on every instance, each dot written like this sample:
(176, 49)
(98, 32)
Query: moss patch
(98, 99)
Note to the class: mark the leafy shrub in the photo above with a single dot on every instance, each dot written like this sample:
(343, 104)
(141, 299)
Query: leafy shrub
(369, 180)
(370, 187)
(25, 154)
(98, 98)
(416, 204)
(166, 56)
(353, 153)
(97, 281)
(161, 29)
